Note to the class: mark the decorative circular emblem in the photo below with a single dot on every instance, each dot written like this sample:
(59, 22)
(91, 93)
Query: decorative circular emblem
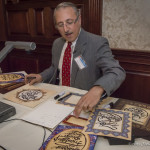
(70, 139)
(30, 94)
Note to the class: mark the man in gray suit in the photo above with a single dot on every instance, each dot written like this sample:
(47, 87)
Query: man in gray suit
(93, 66)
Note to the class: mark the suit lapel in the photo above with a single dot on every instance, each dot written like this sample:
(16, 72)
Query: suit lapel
(80, 48)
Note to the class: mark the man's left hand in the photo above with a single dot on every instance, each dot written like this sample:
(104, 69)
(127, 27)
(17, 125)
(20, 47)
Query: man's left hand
(89, 100)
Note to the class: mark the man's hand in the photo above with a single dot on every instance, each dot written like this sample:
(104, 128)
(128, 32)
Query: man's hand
(89, 100)
(36, 78)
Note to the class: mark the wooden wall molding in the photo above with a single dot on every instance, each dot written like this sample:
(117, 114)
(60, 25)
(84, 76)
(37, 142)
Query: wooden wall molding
(134, 60)
(95, 9)
(35, 20)
(91, 11)
(137, 67)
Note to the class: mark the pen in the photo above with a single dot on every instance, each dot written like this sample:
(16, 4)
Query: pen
(66, 96)
(59, 95)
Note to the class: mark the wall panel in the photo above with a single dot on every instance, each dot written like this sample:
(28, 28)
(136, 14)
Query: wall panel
(18, 22)
(137, 82)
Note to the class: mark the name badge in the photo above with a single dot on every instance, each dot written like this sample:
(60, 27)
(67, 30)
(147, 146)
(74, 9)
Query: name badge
(80, 62)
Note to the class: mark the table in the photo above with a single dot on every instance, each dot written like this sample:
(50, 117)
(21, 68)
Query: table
(21, 135)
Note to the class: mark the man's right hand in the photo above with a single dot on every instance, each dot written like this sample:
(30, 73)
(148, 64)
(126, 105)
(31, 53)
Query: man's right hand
(36, 79)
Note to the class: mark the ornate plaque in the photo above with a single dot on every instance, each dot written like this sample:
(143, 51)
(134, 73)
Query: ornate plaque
(29, 96)
(11, 77)
(69, 138)
(111, 123)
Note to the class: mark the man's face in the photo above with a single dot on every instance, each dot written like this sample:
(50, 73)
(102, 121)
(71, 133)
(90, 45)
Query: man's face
(67, 23)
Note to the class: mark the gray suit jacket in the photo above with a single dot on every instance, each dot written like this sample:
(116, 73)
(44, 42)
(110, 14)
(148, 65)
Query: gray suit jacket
(102, 69)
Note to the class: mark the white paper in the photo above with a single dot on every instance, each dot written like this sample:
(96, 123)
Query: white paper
(48, 114)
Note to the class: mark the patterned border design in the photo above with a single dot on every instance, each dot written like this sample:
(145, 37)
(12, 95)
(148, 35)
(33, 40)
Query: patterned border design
(125, 125)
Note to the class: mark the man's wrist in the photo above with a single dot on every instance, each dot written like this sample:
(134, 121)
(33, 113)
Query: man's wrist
(98, 89)
(101, 91)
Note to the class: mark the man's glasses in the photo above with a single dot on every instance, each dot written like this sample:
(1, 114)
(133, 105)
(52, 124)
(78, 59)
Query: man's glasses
(68, 23)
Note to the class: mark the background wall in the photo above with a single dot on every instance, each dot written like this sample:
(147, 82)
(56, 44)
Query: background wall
(126, 23)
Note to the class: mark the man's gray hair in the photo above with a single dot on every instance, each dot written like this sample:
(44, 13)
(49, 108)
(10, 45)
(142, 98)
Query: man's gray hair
(64, 5)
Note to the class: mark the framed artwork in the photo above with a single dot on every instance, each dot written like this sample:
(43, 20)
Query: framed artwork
(70, 101)
(11, 78)
(111, 123)
(73, 121)
(69, 137)
(29, 96)
(140, 116)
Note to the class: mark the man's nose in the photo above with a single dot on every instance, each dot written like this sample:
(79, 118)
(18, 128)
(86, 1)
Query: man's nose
(65, 28)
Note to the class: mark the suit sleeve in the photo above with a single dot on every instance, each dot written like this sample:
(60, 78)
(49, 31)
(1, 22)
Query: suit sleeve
(48, 74)
(113, 73)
